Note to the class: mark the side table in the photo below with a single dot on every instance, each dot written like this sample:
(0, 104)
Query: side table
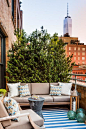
(36, 105)
(77, 101)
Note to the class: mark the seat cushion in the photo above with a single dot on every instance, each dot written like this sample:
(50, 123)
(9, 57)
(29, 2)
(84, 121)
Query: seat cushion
(22, 99)
(24, 121)
(40, 88)
(22, 124)
(61, 98)
(47, 98)
(3, 113)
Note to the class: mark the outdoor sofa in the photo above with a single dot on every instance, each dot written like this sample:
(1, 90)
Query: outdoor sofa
(43, 90)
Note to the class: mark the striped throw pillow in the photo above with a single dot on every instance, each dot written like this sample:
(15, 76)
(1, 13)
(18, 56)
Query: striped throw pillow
(24, 90)
(55, 90)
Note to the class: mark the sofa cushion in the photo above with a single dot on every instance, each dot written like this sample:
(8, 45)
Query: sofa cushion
(12, 107)
(48, 98)
(3, 113)
(66, 88)
(22, 124)
(40, 88)
(22, 99)
(61, 98)
(55, 90)
(23, 90)
(13, 89)
(29, 86)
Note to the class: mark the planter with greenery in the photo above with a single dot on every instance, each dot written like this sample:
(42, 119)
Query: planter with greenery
(43, 60)
(2, 92)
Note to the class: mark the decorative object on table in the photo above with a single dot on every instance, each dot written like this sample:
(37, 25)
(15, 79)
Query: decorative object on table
(23, 90)
(12, 107)
(36, 105)
(74, 93)
(80, 110)
(35, 97)
(81, 117)
(2, 92)
(71, 115)
(55, 90)
(74, 102)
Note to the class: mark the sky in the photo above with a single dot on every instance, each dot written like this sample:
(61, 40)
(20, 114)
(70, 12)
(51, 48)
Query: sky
(51, 13)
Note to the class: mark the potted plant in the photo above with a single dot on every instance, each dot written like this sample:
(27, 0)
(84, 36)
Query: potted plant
(2, 92)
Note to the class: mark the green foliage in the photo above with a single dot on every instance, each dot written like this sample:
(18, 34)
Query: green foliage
(43, 60)
(3, 91)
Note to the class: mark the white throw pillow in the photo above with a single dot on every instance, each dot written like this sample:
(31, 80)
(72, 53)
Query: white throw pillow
(13, 89)
(66, 88)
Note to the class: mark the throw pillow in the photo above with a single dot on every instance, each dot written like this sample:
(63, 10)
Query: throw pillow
(13, 89)
(24, 90)
(12, 107)
(66, 88)
(55, 90)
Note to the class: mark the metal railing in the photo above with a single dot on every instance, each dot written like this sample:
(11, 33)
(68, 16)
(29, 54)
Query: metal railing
(78, 81)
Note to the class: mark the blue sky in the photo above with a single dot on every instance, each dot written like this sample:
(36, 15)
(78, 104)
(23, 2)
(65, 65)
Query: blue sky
(51, 13)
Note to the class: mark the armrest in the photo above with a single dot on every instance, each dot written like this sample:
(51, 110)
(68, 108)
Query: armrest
(34, 125)
(13, 117)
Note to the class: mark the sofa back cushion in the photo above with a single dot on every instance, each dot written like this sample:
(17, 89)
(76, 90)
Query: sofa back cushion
(29, 86)
(40, 88)
(3, 113)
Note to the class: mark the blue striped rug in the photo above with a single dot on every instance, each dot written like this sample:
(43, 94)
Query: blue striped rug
(57, 119)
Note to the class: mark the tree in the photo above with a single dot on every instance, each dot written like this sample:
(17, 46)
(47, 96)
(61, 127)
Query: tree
(43, 60)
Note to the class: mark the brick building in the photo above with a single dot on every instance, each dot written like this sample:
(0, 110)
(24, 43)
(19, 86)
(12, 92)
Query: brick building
(10, 19)
(73, 46)
(79, 70)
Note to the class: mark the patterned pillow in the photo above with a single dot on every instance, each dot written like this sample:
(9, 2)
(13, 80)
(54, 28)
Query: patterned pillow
(23, 90)
(55, 90)
(12, 107)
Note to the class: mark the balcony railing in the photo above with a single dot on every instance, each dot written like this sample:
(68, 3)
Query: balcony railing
(76, 81)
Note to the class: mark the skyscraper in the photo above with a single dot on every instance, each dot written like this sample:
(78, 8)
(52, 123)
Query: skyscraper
(67, 27)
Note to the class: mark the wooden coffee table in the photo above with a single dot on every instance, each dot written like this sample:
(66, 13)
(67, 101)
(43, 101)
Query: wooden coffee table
(36, 105)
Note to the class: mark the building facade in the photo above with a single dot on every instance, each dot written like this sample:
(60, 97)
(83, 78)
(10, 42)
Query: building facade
(79, 70)
(10, 19)
(73, 46)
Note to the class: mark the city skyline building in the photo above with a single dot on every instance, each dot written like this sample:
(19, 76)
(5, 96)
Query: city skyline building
(67, 27)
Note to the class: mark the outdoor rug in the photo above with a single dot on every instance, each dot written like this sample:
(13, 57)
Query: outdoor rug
(57, 119)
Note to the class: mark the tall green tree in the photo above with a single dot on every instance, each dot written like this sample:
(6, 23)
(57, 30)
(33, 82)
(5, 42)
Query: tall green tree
(43, 60)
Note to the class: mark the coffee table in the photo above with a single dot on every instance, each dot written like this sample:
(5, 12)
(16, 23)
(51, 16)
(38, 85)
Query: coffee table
(36, 105)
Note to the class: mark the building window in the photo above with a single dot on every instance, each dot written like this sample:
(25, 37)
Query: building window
(83, 58)
(79, 48)
(83, 49)
(13, 9)
(69, 48)
(83, 53)
(74, 48)
(78, 58)
(74, 53)
(78, 53)
(74, 58)
(69, 53)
